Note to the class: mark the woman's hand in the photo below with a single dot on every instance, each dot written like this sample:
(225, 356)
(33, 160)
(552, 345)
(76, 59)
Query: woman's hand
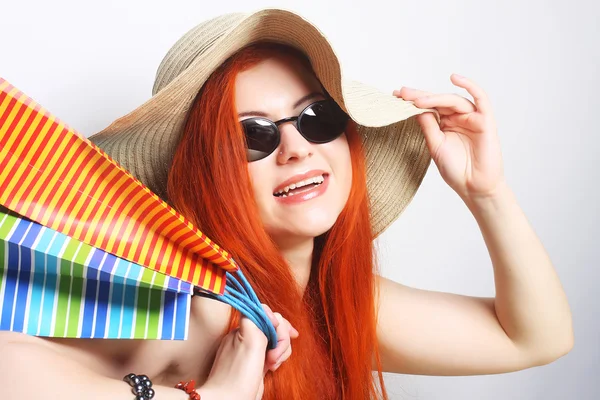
(275, 357)
(241, 364)
(465, 145)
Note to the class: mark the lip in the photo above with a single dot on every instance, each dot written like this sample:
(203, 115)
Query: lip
(307, 195)
(300, 177)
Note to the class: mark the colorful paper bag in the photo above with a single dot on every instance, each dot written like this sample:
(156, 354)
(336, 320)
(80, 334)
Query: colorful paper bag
(54, 285)
(58, 178)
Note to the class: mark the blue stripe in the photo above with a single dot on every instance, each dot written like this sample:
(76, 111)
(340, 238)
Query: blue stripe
(168, 313)
(12, 276)
(91, 286)
(181, 313)
(50, 288)
(173, 284)
(37, 287)
(26, 267)
(128, 310)
(102, 306)
(116, 301)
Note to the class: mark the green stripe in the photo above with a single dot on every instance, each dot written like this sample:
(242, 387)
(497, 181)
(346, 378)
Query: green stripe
(141, 312)
(156, 300)
(77, 291)
(64, 289)
(146, 278)
(5, 226)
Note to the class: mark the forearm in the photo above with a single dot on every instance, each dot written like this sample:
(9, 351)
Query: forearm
(530, 302)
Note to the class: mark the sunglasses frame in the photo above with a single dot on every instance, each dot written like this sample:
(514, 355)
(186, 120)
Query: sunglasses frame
(297, 123)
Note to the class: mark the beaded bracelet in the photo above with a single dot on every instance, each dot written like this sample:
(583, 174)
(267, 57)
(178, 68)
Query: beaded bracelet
(190, 388)
(141, 386)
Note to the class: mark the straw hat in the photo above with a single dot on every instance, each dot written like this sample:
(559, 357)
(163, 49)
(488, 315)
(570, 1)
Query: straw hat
(144, 140)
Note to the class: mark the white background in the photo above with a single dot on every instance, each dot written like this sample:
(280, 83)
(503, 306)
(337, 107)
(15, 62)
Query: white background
(91, 62)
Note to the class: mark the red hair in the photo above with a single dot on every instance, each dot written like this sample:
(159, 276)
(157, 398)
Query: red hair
(210, 184)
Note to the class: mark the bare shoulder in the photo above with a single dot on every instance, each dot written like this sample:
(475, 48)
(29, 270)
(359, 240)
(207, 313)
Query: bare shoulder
(163, 359)
(436, 333)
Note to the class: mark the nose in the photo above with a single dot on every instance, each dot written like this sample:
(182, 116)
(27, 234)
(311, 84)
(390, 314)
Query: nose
(292, 146)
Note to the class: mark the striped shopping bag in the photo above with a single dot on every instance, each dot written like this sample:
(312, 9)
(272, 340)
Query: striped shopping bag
(55, 179)
(54, 285)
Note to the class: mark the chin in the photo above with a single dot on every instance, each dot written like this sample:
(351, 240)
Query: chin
(308, 227)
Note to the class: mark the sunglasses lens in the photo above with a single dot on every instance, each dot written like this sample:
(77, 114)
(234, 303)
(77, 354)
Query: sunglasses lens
(262, 138)
(323, 121)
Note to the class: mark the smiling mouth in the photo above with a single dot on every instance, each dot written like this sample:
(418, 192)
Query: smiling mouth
(301, 187)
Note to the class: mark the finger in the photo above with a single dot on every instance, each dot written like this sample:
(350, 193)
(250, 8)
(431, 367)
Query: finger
(280, 319)
(282, 359)
(294, 333)
(453, 102)
(464, 123)
(249, 334)
(409, 93)
(271, 315)
(431, 130)
(481, 98)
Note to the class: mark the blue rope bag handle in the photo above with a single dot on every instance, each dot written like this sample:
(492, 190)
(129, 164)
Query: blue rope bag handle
(240, 295)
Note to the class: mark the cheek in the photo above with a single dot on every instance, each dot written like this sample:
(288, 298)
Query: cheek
(343, 166)
(260, 180)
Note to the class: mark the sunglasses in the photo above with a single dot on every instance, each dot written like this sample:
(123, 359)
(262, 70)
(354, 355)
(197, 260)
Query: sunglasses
(320, 122)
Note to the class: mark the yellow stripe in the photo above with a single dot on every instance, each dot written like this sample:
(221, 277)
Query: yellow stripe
(218, 284)
(30, 208)
(130, 224)
(177, 263)
(11, 162)
(207, 277)
(136, 240)
(12, 137)
(152, 258)
(71, 186)
(146, 252)
(115, 203)
(91, 225)
(15, 109)
(122, 218)
(64, 161)
(197, 271)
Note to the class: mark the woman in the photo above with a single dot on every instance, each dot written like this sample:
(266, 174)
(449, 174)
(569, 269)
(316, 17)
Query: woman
(303, 203)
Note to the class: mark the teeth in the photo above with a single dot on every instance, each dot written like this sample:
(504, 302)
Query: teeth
(284, 192)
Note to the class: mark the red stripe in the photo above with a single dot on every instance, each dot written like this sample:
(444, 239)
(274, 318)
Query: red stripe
(203, 270)
(68, 216)
(151, 222)
(119, 212)
(108, 224)
(160, 259)
(13, 150)
(36, 196)
(11, 174)
(6, 114)
(89, 197)
(57, 182)
(171, 259)
(54, 183)
(108, 188)
(213, 278)
(36, 155)
(129, 217)
(137, 222)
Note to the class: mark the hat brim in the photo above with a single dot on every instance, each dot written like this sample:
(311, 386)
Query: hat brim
(144, 140)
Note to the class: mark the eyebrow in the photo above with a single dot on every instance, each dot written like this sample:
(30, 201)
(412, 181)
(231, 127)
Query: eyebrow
(296, 104)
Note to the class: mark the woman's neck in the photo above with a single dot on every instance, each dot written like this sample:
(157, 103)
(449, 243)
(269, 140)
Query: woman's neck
(298, 253)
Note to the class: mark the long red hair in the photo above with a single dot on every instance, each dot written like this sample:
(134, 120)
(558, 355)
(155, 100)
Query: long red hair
(209, 183)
